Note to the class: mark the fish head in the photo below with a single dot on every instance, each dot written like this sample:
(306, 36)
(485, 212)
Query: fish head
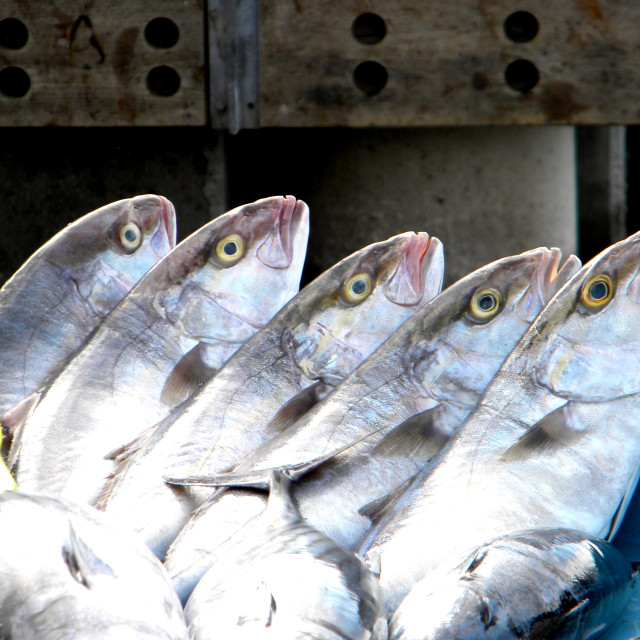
(470, 328)
(586, 340)
(106, 252)
(348, 311)
(228, 279)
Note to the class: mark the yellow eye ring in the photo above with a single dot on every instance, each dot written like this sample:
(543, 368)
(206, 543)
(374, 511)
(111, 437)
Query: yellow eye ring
(129, 236)
(597, 291)
(358, 287)
(485, 303)
(230, 249)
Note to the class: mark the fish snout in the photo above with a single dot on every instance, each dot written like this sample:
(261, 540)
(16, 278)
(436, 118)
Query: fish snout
(157, 214)
(277, 249)
(418, 275)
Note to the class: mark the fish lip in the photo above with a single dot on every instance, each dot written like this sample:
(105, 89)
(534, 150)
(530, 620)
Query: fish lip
(168, 212)
(276, 251)
(550, 276)
(406, 285)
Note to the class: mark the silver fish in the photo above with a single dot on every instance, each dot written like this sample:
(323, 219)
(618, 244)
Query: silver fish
(543, 448)
(66, 573)
(165, 339)
(400, 405)
(282, 579)
(54, 301)
(331, 326)
(538, 583)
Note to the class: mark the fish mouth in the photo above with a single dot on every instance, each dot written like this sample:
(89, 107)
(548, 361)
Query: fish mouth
(168, 213)
(549, 278)
(277, 250)
(410, 281)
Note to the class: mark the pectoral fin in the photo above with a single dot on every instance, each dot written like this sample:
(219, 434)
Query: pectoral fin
(298, 406)
(374, 509)
(416, 437)
(554, 430)
(13, 424)
(82, 561)
(187, 377)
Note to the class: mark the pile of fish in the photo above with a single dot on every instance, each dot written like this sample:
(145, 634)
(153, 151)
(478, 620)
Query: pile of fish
(203, 450)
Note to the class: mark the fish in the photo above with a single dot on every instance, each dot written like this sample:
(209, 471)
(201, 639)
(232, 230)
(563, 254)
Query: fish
(281, 578)
(536, 583)
(399, 407)
(67, 287)
(325, 331)
(553, 441)
(172, 333)
(67, 573)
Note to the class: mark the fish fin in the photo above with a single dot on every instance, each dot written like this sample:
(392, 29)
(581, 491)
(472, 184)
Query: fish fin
(374, 509)
(120, 456)
(281, 504)
(553, 431)
(13, 425)
(417, 436)
(618, 516)
(258, 479)
(261, 604)
(82, 561)
(187, 376)
(297, 406)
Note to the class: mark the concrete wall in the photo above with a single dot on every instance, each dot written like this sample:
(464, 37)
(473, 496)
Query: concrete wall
(485, 192)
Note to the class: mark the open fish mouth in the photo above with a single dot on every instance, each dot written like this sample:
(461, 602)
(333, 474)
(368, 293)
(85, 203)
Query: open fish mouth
(277, 250)
(549, 278)
(164, 239)
(407, 285)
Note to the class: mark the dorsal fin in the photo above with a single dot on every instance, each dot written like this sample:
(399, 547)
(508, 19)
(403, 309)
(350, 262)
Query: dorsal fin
(191, 372)
(82, 561)
(13, 425)
(281, 504)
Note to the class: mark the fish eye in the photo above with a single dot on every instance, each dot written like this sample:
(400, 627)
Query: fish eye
(597, 291)
(230, 249)
(130, 236)
(485, 303)
(358, 287)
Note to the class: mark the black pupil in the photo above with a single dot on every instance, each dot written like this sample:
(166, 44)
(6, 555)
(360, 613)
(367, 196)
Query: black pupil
(599, 291)
(359, 287)
(230, 248)
(130, 235)
(486, 303)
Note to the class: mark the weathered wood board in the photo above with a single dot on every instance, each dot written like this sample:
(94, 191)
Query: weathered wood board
(88, 63)
(445, 62)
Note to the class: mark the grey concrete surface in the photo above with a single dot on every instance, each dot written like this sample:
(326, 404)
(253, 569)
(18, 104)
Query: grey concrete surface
(486, 192)
(49, 177)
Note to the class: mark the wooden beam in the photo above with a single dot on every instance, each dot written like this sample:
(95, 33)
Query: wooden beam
(469, 62)
(102, 63)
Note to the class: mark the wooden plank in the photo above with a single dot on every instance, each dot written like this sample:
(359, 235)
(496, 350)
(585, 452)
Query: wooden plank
(446, 63)
(91, 63)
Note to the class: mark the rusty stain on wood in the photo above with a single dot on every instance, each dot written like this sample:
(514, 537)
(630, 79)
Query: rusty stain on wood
(446, 63)
(88, 63)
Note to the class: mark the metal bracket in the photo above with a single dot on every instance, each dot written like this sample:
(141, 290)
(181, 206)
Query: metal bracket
(233, 64)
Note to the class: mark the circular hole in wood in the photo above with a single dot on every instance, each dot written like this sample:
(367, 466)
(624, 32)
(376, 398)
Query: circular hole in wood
(521, 75)
(370, 77)
(13, 33)
(161, 33)
(163, 81)
(369, 28)
(14, 82)
(521, 26)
